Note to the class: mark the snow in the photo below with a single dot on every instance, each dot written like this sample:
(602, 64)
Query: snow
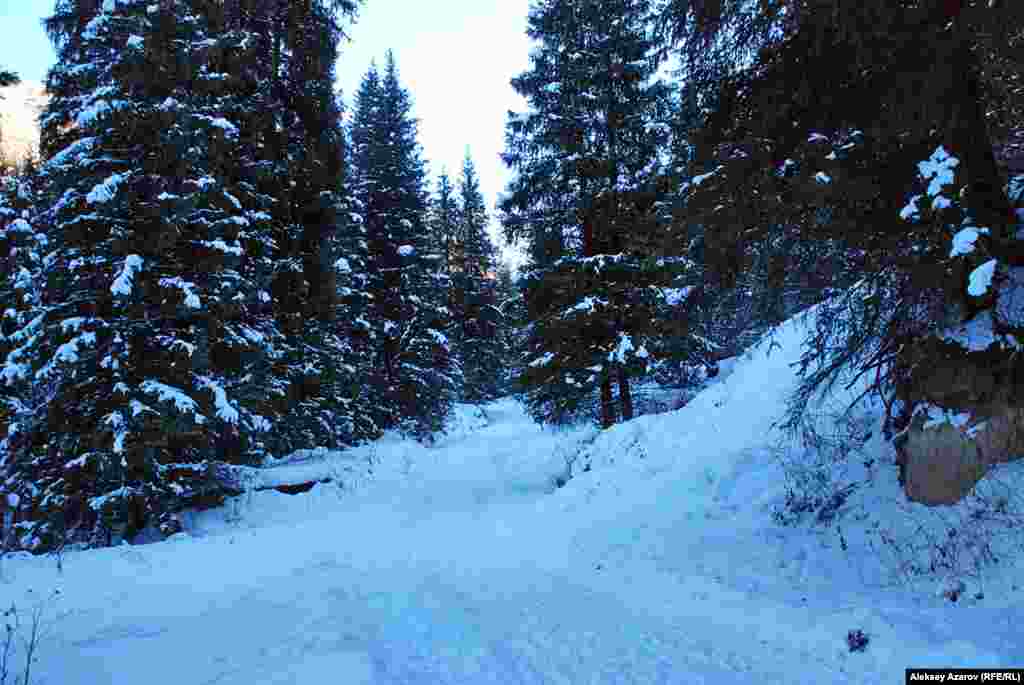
(697, 180)
(1010, 307)
(191, 299)
(222, 246)
(225, 411)
(105, 192)
(123, 283)
(657, 562)
(623, 349)
(938, 170)
(588, 305)
(975, 335)
(542, 360)
(167, 393)
(406, 250)
(981, 279)
(224, 125)
(676, 296)
(909, 211)
(964, 240)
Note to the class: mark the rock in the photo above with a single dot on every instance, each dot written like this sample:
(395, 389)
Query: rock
(969, 417)
(944, 454)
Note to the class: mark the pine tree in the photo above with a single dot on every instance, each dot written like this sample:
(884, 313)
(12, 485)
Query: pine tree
(475, 293)
(416, 376)
(587, 162)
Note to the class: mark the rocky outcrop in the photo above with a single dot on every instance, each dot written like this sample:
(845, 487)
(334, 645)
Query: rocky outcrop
(944, 455)
(969, 417)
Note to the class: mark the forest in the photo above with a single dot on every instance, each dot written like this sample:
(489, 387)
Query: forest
(215, 260)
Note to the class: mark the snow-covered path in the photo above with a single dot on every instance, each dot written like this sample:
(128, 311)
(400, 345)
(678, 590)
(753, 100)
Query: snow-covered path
(463, 564)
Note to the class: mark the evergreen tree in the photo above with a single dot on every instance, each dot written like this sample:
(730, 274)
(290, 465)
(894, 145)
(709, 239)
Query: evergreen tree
(812, 142)
(475, 293)
(321, 395)
(445, 221)
(163, 341)
(585, 194)
(416, 375)
(512, 322)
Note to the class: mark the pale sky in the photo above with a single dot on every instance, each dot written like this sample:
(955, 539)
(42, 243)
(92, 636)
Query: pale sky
(455, 56)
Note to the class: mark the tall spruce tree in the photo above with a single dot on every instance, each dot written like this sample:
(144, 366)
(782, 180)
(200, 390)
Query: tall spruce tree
(416, 376)
(325, 354)
(474, 285)
(587, 163)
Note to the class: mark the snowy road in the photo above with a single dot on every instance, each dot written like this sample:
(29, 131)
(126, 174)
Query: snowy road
(462, 564)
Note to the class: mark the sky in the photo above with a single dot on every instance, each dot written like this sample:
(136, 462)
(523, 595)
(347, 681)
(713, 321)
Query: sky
(456, 57)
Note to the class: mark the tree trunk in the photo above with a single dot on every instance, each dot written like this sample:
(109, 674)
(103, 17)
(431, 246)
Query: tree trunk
(625, 395)
(607, 405)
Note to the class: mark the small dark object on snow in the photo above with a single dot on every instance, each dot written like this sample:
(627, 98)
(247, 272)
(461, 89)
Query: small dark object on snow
(297, 488)
(857, 640)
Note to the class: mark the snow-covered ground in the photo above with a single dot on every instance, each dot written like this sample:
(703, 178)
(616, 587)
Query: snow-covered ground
(658, 562)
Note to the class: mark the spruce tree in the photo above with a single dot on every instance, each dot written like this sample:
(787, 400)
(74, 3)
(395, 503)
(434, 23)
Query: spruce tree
(324, 352)
(416, 375)
(588, 169)
(444, 217)
(475, 293)
(156, 336)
